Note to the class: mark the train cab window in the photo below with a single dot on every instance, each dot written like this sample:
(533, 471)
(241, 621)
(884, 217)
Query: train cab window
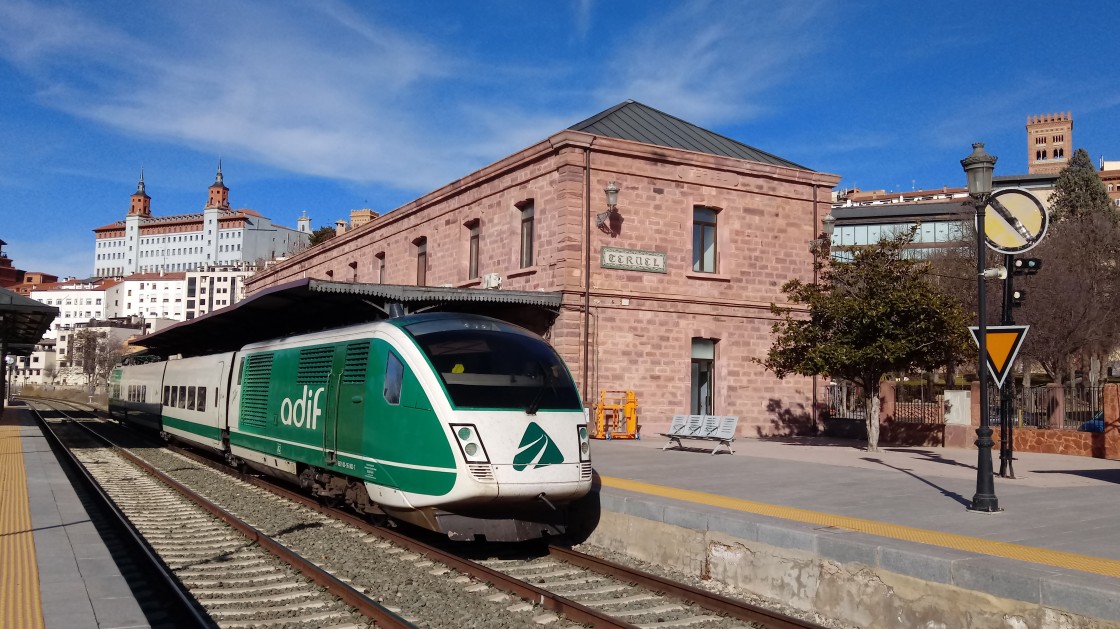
(174, 401)
(489, 364)
(166, 395)
(200, 403)
(143, 393)
(183, 396)
(190, 398)
(394, 377)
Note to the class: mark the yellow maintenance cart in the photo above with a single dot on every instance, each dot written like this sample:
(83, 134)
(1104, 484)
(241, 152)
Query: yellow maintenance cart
(616, 416)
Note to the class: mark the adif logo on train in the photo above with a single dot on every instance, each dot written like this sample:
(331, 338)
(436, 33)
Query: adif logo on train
(304, 412)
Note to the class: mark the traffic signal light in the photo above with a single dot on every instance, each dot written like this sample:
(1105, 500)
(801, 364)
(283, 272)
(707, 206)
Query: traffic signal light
(1017, 296)
(1027, 266)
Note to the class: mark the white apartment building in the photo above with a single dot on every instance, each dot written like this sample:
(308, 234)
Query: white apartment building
(78, 301)
(151, 296)
(218, 236)
(214, 288)
(151, 300)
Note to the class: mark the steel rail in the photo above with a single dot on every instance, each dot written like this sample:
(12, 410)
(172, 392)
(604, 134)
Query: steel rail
(165, 579)
(732, 607)
(362, 603)
(571, 609)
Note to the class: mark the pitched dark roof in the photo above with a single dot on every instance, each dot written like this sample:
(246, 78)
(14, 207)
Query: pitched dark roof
(640, 123)
(308, 305)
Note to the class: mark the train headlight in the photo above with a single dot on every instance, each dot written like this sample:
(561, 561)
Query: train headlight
(584, 444)
(470, 443)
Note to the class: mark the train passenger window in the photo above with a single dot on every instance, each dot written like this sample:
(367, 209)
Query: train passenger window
(190, 398)
(130, 393)
(174, 396)
(394, 377)
(143, 393)
(183, 396)
(200, 403)
(166, 395)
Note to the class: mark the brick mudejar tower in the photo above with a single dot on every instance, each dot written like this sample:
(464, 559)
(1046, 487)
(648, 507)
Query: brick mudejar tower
(1049, 143)
(667, 293)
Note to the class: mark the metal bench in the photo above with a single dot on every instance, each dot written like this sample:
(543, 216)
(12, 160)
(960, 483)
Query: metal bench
(719, 428)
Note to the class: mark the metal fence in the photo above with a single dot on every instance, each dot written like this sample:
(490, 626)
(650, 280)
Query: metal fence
(1036, 407)
(846, 401)
(919, 412)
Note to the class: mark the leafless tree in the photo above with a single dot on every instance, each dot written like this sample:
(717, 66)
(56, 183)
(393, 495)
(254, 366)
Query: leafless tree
(1069, 304)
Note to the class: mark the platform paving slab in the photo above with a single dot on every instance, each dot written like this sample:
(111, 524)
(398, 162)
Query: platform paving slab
(80, 584)
(1057, 503)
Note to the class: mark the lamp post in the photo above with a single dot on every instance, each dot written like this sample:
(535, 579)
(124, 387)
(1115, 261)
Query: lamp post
(817, 245)
(978, 168)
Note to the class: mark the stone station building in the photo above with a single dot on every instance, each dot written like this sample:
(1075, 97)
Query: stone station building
(682, 268)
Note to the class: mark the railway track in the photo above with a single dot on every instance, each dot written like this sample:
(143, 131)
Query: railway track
(223, 564)
(435, 586)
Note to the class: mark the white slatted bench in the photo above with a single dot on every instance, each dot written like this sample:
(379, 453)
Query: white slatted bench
(719, 428)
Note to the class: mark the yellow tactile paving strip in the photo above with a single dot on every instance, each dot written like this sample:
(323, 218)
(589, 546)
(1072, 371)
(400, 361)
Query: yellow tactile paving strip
(20, 605)
(1059, 559)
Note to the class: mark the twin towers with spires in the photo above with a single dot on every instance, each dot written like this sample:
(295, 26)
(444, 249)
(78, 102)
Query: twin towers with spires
(218, 237)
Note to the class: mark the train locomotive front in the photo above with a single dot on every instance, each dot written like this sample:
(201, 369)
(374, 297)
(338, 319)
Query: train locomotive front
(461, 424)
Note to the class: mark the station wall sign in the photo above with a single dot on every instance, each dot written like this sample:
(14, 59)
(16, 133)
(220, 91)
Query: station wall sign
(632, 260)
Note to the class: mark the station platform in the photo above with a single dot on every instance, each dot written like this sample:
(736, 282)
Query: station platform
(55, 569)
(1056, 542)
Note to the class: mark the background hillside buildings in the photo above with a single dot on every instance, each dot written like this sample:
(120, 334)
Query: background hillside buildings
(863, 217)
(149, 272)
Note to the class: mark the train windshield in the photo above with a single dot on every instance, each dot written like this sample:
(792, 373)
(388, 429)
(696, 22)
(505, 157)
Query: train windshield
(486, 364)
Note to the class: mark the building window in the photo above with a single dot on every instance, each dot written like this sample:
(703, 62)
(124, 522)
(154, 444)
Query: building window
(421, 261)
(703, 376)
(472, 255)
(527, 214)
(379, 262)
(704, 239)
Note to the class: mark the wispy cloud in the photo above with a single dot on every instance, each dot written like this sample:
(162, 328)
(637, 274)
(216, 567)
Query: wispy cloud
(325, 90)
(713, 62)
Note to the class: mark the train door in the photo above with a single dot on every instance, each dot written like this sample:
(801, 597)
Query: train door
(347, 429)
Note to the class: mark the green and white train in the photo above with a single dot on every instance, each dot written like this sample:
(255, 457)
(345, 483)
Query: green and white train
(461, 424)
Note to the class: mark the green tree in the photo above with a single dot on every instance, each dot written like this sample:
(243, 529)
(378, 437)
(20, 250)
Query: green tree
(322, 235)
(877, 314)
(1079, 191)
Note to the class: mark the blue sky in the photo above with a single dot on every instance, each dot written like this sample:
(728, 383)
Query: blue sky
(329, 106)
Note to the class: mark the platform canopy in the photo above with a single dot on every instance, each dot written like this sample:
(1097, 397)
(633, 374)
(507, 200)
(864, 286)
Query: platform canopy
(310, 305)
(23, 322)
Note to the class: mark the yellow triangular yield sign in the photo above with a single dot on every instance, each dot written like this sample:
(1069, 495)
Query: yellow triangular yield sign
(1003, 343)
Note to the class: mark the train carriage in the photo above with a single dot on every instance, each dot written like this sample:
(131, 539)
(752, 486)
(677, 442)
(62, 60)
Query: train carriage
(134, 394)
(461, 424)
(194, 393)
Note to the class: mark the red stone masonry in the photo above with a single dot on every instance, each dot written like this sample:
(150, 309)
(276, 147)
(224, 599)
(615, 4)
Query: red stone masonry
(641, 323)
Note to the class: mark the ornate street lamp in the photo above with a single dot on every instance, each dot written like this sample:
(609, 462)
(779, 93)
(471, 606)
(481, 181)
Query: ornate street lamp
(612, 196)
(978, 167)
(818, 245)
